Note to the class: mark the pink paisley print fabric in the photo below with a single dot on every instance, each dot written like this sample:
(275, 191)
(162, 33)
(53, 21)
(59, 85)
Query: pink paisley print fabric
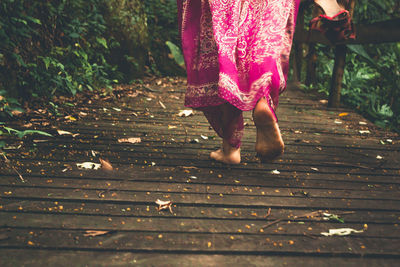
(236, 51)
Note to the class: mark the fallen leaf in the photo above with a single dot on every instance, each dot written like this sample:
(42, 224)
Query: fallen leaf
(132, 140)
(275, 172)
(185, 113)
(334, 217)
(204, 137)
(88, 166)
(16, 112)
(61, 132)
(341, 232)
(171, 127)
(105, 165)
(343, 114)
(161, 104)
(163, 205)
(70, 118)
(95, 233)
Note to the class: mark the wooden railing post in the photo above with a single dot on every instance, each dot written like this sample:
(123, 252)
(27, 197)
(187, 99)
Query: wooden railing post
(337, 77)
(338, 69)
(312, 56)
(298, 46)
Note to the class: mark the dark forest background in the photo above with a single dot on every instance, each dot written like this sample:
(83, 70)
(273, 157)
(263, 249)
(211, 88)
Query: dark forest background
(61, 47)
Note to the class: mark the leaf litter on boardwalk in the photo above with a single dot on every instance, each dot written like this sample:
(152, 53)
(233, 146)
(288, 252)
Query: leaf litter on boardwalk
(132, 140)
(93, 233)
(164, 205)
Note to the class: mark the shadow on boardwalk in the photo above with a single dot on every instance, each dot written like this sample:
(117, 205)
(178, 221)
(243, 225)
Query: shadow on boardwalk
(252, 214)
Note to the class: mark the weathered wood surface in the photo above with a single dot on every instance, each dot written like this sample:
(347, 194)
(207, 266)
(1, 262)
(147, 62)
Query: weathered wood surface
(222, 215)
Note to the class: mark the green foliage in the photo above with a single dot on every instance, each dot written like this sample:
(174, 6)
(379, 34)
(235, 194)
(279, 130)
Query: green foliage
(21, 134)
(8, 105)
(371, 84)
(64, 46)
(49, 47)
(176, 54)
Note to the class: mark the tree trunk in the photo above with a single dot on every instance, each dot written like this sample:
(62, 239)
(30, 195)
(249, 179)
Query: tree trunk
(128, 23)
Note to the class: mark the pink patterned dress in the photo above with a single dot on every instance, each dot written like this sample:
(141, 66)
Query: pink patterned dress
(236, 52)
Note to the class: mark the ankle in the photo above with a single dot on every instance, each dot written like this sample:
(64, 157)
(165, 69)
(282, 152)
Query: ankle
(227, 149)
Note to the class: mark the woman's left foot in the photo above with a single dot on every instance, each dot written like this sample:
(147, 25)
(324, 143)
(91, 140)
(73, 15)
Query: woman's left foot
(227, 154)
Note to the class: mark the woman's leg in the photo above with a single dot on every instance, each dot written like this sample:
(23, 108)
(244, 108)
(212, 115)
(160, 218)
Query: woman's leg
(227, 121)
(269, 143)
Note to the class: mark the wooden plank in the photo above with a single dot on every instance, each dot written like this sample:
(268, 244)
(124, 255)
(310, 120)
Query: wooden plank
(205, 243)
(273, 188)
(82, 207)
(207, 199)
(30, 257)
(296, 228)
(368, 192)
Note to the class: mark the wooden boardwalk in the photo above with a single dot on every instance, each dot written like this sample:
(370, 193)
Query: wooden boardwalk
(253, 214)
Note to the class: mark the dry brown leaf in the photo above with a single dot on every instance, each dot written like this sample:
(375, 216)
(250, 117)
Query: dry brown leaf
(16, 112)
(162, 104)
(132, 140)
(106, 165)
(185, 113)
(163, 205)
(95, 233)
(188, 167)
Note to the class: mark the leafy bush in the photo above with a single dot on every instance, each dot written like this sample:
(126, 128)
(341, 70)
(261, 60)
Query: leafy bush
(66, 46)
(52, 46)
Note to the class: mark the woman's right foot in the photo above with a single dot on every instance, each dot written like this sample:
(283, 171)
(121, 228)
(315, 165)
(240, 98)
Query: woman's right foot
(269, 143)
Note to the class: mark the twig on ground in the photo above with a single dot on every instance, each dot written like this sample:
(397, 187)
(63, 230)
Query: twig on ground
(186, 133)
(9, 163)
(268, 213)
(318, 213)
(310, 236)
(271, 223)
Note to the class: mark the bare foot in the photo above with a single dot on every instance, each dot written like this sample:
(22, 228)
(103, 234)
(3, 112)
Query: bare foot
(330, 7)
(228, 154)
(269, 143)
